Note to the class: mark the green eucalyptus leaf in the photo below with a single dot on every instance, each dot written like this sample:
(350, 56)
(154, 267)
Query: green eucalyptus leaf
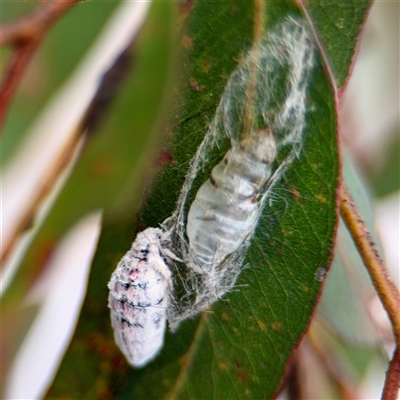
(243, 346)
(63, 47)
(338, 25)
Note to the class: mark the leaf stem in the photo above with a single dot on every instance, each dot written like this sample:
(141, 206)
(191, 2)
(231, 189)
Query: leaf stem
(386, 290)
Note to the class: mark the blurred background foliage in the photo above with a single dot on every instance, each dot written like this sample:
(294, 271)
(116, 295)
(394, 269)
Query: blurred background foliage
(54, 61)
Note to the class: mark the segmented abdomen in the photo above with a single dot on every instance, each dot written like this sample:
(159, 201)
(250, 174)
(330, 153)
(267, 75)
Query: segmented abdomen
(225, 210)
(139, 297)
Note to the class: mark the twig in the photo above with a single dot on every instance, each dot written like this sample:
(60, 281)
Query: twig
(381, 280)
(32, 27)
(25, 35)
(392, 383)
(384, 286)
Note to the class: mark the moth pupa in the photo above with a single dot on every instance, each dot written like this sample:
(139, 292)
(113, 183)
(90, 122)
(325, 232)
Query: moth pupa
(225, 210)
(140, 289)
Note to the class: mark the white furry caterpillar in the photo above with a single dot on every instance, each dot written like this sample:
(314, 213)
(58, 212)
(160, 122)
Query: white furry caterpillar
(140, 289)
(267, 89)
(226, 209)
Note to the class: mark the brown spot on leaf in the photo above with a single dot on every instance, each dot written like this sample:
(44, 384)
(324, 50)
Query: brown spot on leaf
(240, 374)
(294, 192)
(276, 326)
(206, 65)
(186, 6)
(195, 85)
(164, 156)
(187, 43)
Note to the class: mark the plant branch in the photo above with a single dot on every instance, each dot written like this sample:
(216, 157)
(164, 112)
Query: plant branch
(384, 286)
(381, 280)
(25, 35)
(392, 382)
